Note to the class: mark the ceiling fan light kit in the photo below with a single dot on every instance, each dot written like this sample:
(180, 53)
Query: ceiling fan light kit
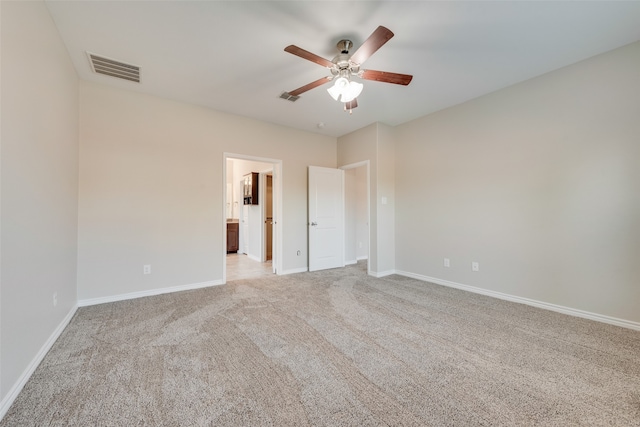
(345, 90)
(344, 66)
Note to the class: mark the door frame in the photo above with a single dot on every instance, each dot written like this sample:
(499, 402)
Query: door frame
(277, 208)
(263, 196)
(368, 178)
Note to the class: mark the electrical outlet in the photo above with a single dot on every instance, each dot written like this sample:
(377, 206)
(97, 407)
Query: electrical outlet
(55, 299)
(447, 262)
(475, 266)
(146, 269)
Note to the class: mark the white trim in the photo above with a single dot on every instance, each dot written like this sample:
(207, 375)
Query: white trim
(534, 303)
(293, 271)
(362, 258)
(351, 262)
(379, 274)
(224, 217)
(22, 380)
(151, 292)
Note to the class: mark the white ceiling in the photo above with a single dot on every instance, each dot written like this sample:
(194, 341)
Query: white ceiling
(228, 55)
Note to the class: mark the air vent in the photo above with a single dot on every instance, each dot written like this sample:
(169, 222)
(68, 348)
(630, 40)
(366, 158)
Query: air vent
(289, 97)
(117, 69)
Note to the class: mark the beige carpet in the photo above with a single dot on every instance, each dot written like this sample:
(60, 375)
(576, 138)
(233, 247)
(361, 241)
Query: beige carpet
(333, 348)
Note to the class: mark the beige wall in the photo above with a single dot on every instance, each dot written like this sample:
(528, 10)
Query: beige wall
(151, 188)
(539, 183)
(39, 176)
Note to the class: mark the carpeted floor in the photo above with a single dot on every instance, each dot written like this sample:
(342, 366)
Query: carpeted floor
(332, 348)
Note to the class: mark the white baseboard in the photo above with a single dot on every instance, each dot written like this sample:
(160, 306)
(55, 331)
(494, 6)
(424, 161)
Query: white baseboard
(540, 304)
(293, 271)
(362, 258)
(379, 274)
(151, 292)
(253, 257)
(351, 262)
(22, 380)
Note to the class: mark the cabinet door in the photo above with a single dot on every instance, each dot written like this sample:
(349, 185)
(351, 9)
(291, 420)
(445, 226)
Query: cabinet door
(232, 237)
(250, 186)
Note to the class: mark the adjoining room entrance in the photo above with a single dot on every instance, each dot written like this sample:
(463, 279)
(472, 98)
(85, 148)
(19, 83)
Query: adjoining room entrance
(252, 198)
(357, 217)
(339, 218)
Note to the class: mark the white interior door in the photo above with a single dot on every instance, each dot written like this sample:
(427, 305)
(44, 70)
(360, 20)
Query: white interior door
(326, 218)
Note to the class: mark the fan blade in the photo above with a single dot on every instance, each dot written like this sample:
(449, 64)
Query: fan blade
(375, 41)
(383, 76)
(310, 86)
(304, 54)
(351, 104)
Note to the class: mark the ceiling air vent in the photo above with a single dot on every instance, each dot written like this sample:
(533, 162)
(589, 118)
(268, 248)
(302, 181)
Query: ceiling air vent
(110, 67)
(289, 97)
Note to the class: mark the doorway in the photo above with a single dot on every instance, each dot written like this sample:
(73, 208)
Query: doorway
(336, 239)
(357, 214)
(255, 218)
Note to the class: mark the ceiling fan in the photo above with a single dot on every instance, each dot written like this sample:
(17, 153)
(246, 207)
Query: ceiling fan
(344, 66)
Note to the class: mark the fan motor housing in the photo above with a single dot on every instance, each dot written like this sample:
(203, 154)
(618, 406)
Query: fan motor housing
(341, 61)
(343, 66)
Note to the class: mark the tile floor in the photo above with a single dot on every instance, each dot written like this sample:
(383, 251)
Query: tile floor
(240, 266)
